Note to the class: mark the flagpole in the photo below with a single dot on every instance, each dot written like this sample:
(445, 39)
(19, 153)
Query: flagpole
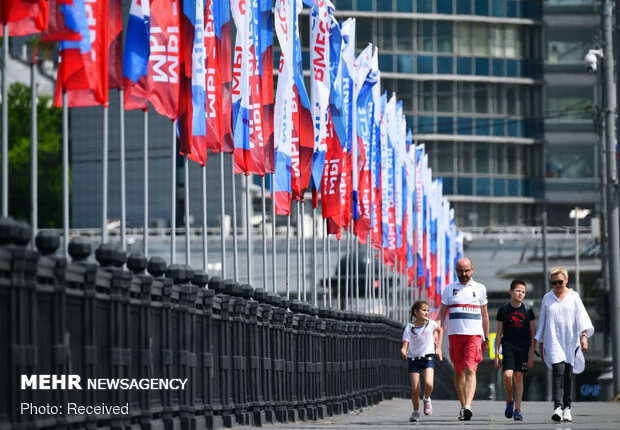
(329, 267)
(367, 279)
(121, 156)
(205, 244)
(357, 272)
(186, 204)
(339, 269)
(248, 227)
(372, 279)
(314, 291)
(145, 155)
(273, 234)
(222, 215)
(288, 256)
(5, 122)
(34, 145)
(234, 217)
(104, 180)
(381, 279)
(65, 172)
(264, 213)
(394, 287)
(173, 215)
(346, 278)
(298, 250)
(303, 248)
(325, 262)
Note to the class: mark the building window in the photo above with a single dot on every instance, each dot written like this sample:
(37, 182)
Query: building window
(569, 103)
(481, 39)
(570, 161)
(404, 34)
(445, 157)
(444, 36)
(464, 38)
(425, 36)
(445, 96)
(483, 157)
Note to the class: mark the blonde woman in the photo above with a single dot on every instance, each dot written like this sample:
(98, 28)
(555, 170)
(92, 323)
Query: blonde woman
(563, 331)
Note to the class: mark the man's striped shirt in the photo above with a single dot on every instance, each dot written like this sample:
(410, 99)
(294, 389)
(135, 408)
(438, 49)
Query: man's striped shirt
(464, 304)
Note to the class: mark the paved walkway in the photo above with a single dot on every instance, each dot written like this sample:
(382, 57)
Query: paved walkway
(394, 414)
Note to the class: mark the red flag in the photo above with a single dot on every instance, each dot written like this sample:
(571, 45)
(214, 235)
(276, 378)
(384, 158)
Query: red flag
(115, 43)
(163, 74)
(331, 203)
(24, 17)
(83, 69)
(57, 29)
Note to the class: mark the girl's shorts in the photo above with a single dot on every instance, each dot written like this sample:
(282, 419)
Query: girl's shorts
(418, 364)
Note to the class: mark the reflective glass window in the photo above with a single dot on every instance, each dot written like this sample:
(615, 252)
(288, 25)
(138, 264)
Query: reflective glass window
(512, 43)
(426, 124)
(384, 5)
(464, 186)
(425, 36)
(445, 156)
(482, 7)
(483, 157)
(444, 65)
(499, 67)
(463, 7)
(425, 64)
(498, 127)
(425, 6)
(482, 66)
(344, 4)
(466, 97)
(445, 96)
(448, 185)
(483, 126)
(444, 125)
(426, 96)
(466, 157)
(511, 8)
(444, 36)
(364, 4)
(444, 6)
(463, 66)
(404, 5)
(499, 187)
(464, 125)
(483, 187)
(497, 41)
(513, 160)
(464, 38)
(404, 63)
(405, 92)
(482, 105)
(566, 103)
(570, 161)
(385, 63)
(513, 187)
(499, 7)
(481, 39)
(363, 32)
(387, 39)
(404, 34)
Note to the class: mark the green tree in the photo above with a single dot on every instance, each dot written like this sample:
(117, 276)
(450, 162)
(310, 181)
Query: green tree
(49, 157)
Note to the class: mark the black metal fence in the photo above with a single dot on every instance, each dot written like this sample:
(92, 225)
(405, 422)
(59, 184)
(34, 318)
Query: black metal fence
(249, 356)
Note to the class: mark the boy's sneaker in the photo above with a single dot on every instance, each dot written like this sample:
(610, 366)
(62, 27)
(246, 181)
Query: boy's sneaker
(428, 406)
(566, 415)
(467, 413)
(509, 409)
(517, 415)
(415, 416)
(557, 414)
(462, 414)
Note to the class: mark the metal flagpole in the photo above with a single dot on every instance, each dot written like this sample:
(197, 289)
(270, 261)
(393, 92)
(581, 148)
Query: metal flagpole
(346, 277)
(264, 210)
(121, 157)
(205, 244)
(381, 283)
(34, 145)
(357, 272)
(339, 271)
(314, 291)
(288, 256)
(145, 155)
(329, 267)
(222, 216)
(367, 277)
(352, 262)
(65, 172)
(173, 215)
(273, 235)
(303, 249)
(5, 122)
(325, 262)
(234, 217)
(248, 226)
(104, 180)
(394, 290)
(186, 210)
(298, 250)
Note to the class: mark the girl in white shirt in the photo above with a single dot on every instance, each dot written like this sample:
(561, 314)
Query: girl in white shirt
(563, 330)
(421, 341)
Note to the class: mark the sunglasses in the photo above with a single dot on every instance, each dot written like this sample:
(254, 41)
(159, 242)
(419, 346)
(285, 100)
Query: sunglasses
(557, 282)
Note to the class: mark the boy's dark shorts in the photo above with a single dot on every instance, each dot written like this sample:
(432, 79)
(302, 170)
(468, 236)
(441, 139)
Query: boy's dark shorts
(514, 358)
(418, 364)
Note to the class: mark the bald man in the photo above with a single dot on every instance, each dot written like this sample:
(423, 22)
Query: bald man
(468, 331)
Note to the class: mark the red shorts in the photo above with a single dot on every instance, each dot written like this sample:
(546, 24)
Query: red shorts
(465, 351)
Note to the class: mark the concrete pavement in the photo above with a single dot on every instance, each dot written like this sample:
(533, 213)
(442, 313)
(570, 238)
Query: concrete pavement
(394, 414)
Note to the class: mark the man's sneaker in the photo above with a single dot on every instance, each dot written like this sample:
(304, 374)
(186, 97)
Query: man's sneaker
(517, 415)
(566, 415)
(509, 409)
(557, 414)
(462, 414)
(415, 416)
(467, 413)
(428, 406)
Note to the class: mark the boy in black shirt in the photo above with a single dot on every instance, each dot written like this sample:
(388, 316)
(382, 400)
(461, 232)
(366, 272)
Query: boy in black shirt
(516, 328)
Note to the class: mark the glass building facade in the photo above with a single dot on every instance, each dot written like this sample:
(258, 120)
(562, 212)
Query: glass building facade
(470, 74)
(571, 99)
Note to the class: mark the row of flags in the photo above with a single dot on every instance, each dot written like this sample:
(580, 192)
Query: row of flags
(344, 140)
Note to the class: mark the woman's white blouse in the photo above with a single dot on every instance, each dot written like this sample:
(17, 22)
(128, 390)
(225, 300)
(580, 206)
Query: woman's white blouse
(560, 325)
